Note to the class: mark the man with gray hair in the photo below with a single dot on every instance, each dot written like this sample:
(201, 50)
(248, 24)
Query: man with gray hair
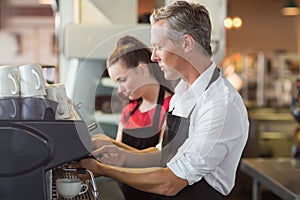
(207, 123)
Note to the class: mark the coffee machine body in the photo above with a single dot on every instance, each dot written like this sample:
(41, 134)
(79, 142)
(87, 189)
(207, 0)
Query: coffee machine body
(31, 148)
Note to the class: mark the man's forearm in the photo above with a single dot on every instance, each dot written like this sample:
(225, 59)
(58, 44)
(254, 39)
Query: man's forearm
(141, 159)
(155, 180)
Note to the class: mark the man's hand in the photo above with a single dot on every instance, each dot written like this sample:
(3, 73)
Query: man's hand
(90, 164)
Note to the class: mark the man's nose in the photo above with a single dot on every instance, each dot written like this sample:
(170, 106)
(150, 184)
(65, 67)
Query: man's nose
(154, 55)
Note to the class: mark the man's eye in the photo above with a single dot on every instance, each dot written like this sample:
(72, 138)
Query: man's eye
(123, 79)
(157, 48)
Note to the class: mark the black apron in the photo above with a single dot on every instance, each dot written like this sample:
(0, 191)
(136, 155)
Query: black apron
(145, 137)
(176, 133)
(142, 138)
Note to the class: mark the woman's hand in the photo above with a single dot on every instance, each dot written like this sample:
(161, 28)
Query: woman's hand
(111, 155)
(100, 140)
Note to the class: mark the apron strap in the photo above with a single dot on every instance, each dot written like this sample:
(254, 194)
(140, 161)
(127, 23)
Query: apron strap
(214, 77)
(160, 102)
(140, 100)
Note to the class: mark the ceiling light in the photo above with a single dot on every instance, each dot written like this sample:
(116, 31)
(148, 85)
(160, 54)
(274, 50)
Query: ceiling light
(228, 23)
(290, 8)
(237, 22)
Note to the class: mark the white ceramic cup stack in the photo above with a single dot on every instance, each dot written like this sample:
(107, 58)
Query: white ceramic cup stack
(22, 81)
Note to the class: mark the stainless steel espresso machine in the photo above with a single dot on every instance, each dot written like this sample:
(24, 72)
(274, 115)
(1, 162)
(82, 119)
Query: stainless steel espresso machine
(34, 146)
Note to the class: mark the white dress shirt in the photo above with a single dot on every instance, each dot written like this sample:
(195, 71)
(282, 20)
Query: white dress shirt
(218, 131)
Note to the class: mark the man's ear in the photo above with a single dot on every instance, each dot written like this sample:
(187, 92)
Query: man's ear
(188, 42)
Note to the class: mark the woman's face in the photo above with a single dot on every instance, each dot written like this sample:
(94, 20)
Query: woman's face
(128, 80)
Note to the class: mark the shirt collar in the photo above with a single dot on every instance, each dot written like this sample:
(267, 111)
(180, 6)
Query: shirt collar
(201, 83)
(186, 97)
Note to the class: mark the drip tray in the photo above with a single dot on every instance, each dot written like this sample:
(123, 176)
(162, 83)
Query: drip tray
(60, 173)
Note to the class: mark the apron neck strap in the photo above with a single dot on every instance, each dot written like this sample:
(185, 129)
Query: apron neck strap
(214, 77)
(160, 102)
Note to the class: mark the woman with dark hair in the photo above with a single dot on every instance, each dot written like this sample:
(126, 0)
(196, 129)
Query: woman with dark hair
(143, 118)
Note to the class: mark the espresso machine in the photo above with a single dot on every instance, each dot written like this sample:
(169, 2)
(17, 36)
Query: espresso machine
(34, 146)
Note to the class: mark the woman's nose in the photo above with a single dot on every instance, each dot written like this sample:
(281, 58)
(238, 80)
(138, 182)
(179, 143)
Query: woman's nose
(120, 88)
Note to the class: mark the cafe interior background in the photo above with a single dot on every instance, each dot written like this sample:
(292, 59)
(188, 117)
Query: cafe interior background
(261, 59)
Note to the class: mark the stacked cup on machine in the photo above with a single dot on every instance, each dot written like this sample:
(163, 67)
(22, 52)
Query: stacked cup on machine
(9, 92)
(33, 92)
(32, 82)
(23, 93)
(57, 92)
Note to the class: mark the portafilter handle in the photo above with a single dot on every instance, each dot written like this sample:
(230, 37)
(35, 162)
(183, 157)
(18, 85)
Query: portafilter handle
(83, 171)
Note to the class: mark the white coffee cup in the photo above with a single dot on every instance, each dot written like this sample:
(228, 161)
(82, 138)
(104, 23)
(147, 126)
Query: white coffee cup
(57, 92)
(9, 84)
(70, 188)
(32, 82)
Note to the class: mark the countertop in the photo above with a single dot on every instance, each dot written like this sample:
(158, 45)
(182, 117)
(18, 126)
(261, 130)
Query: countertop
(280, 175)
